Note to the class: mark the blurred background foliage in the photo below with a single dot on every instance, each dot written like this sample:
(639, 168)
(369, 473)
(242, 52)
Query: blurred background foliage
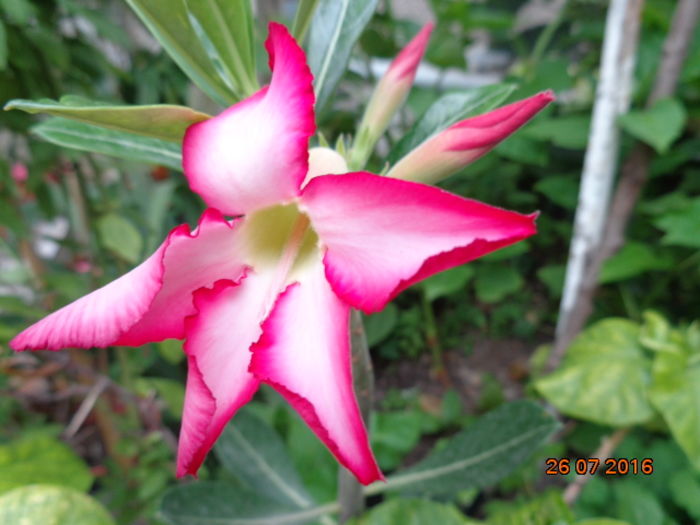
(456, 346)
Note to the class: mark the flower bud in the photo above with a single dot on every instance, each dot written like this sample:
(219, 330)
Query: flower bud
(388, 96)
(462, 143)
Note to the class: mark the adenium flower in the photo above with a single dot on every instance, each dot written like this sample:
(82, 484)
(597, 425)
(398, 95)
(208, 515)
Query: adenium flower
(264, 297)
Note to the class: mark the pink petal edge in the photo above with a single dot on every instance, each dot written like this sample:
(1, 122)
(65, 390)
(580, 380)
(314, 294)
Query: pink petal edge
(381, 235)
(306, 358)
(218, 343)
(149, 303)
(406, 62)
(255, 153)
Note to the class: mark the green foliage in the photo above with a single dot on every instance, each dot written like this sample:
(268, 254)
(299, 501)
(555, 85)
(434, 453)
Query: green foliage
(169, 22)
(47, 504)
(226, 31)
(335, 28)
(479, 455)
(77, 135)
(604, 377)
(120, 237)
(41, 459)
(411, 511)
(163, 122)
(658, 126)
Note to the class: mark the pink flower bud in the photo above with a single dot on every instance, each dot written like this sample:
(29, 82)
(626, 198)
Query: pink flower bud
(19, 172)
(466, 141)
(389, 95)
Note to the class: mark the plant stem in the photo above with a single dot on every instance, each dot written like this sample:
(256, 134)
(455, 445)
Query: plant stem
(432, 337)
(350, 491)
(606, 449)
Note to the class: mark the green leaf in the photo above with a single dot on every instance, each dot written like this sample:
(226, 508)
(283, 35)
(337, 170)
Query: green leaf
(411, 511)
(604, 378)
(635, 504)
(77, 135)
(524, 150)
(41, 459)
(548, 507)
(447, 110)
(164, 122)
(633, 259)
(658, 126)
(217, 503)
(393, 435)
(335, 28)
(228, 26)
(685, 492)
(380, 325)
(171, 391)
(171, 351)
(18, 11)
(168, 21)
(676, 394)
(254, 453)
(566, 132)
(50, 505)
(681, 226)
(447, 282)
(486, 451)
(553, 278)
(494, 282)
(120, 236)
(3, 46)
(302, 19)
(560, 189)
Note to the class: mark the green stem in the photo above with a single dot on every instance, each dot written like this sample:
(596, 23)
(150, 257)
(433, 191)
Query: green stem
(545, 38)
(351, 498)
(432, 336)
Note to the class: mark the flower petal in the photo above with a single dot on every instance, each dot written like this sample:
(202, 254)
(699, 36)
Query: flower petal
(150, 302)
(254, 154)
(304, 354)
(381, 235)
(218, 344)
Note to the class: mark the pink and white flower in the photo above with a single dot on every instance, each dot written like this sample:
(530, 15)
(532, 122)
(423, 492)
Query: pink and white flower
(264, 297)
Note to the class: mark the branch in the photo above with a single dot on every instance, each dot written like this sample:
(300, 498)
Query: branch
(633, 177)
(605, 451)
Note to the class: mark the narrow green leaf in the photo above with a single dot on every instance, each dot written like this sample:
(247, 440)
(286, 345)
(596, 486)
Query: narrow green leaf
(48, 504)
(336, 26)
(77, 135)
(478, 456)
(253, 452)
(41, 459)
(218, 503)
(658, 126)
(169, 23)
(447, 110)
(164, 122)
(302, 18)
(605, 377)
(228, 26)
(120, 237)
